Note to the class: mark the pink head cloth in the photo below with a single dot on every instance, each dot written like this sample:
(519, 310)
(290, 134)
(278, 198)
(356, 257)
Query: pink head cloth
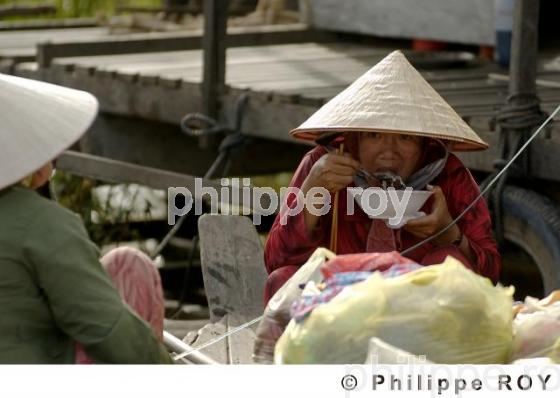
(137, 280)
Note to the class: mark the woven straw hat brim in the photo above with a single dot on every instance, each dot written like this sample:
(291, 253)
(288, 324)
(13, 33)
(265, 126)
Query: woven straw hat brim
(454, 143)
(38, 121)
(392, 97)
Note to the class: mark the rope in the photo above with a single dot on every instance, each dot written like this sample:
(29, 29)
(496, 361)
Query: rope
(198, 125)
(233, 139)
(520, 114)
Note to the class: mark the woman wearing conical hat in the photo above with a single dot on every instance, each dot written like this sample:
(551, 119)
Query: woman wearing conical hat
(390, 121)
(54, 293)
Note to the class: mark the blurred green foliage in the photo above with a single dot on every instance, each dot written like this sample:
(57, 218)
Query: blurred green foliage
(105, 222)
(84, 8)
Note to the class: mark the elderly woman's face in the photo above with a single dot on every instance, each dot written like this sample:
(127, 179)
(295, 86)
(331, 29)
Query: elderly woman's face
(398, 153)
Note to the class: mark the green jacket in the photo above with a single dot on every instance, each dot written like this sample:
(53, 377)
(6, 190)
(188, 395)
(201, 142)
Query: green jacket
(53, 291)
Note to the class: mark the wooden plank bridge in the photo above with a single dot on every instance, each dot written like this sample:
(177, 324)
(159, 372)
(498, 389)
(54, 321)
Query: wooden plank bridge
(285, 83)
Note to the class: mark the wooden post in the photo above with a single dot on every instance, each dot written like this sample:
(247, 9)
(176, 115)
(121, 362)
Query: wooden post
(524, 47)
(523, 69)
(214, 47)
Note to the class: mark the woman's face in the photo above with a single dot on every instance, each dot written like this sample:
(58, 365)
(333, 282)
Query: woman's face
(42, 176)
(398, 153)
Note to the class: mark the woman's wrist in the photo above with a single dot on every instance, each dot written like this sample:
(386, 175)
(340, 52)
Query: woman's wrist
(453, 236)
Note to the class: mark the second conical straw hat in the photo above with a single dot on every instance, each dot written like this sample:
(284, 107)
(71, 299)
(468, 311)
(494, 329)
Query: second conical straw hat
(38, 121)
(392, 97)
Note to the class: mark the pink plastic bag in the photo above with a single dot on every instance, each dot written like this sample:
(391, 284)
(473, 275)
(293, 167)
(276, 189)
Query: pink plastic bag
(363, 262)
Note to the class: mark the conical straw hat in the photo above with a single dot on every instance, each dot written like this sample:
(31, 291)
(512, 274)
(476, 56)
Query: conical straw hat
(38, 121)
(392, 97)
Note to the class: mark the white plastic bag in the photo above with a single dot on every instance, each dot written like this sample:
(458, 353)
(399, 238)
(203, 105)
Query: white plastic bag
(277, 312)
(537, 331)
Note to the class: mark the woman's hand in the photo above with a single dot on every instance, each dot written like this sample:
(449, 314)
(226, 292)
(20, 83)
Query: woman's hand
(332, 172)
(434, 222)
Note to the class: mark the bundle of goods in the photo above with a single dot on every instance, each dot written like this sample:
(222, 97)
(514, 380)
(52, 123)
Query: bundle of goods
(444, 312)
(323, 265)
(337, 309)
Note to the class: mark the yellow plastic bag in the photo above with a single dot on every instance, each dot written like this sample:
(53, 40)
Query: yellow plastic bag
(445, 312)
